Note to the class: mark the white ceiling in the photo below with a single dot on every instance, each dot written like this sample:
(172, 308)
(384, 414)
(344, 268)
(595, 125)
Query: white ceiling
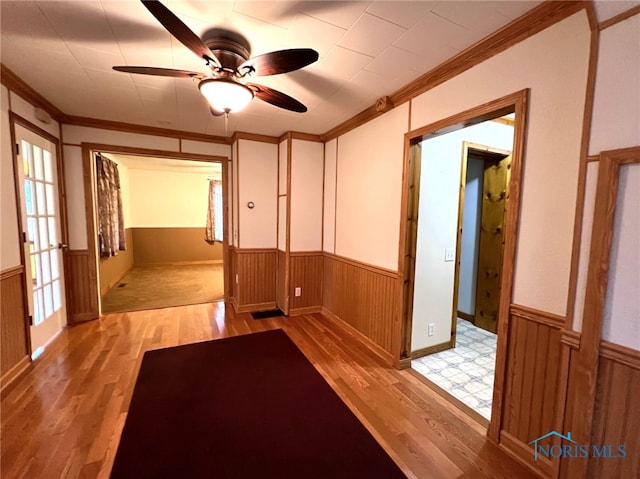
(65, 51)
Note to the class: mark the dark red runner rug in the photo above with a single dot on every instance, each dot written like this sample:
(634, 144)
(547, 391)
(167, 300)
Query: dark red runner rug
(244, 407)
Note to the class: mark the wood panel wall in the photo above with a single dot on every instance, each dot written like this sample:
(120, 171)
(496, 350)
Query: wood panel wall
(532, 381)
(256, 288)
(14, 332)
(114, 268)
(232, 269)
(363, 296)
(179, 245)
(82, 288)
(281, 282)
(306, 273)
(617, 418)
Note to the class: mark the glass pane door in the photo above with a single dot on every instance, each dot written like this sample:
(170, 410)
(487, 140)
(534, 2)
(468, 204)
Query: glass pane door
(41, 222)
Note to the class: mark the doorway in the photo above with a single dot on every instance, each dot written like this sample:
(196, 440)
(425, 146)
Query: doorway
(167, 258)
(40, 214)
(172, 217)
(484, 187)
(440, 274)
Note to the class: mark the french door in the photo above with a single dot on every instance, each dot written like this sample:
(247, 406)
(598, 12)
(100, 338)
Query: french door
(38, 184)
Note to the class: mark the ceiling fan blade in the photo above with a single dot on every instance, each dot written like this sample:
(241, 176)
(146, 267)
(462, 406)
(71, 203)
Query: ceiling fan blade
(281, 61)
(163, 72)
(277, 98)
(178, 29)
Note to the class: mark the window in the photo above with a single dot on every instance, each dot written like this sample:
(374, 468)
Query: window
(215, 223)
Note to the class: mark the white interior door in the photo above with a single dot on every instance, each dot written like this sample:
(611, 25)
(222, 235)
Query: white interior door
(37, 174)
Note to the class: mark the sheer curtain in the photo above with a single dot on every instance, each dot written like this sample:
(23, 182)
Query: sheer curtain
(213, 231)
(110, 219)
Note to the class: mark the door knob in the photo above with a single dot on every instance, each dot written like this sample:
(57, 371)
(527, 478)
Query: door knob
(63, 246)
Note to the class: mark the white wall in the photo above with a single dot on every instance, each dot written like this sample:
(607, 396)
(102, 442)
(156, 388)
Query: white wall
(616, 106)
(621, 321)
(440, 175)
(27, 111)
(616, 124)
(369, 184)
(328, 229)
(283, 147)
(167, 199)
(76, 135)
(206, 148)
(307, 173)
(470, 238)
(236, 206)
(554, 65)
(258, 176)
(9, 235)
(74, 182)
(282, 194)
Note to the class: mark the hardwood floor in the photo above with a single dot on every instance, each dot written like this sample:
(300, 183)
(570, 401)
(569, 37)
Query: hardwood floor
(64, 419)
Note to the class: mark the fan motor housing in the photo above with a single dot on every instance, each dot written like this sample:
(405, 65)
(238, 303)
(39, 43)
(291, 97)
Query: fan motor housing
(231, 52)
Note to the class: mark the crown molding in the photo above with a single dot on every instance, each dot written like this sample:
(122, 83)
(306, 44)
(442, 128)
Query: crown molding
(144, 130)
(18, 86)
(529, 24)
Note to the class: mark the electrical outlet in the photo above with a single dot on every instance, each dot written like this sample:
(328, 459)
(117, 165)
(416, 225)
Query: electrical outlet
(298, 291)
(431, 329)
(449, 254)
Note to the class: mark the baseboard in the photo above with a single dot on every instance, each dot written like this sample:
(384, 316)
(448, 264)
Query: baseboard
(11, 377)
(111, 284)
(524, 455)
(386, 356)
(436, 348)
(307, 310)
(404, 363)
(467, 316)
(182, 263)
(82, 317)
(252, 308)
(234, 303)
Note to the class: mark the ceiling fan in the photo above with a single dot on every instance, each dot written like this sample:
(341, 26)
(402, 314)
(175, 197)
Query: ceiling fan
(227, 54)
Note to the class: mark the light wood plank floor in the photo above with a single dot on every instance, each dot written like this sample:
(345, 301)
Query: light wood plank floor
(64, 419)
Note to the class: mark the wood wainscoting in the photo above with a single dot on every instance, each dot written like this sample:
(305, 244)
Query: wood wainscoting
(82, 287)
(531, 384)
(617, 419)
(281, 282)
(362, 296)
(306, 273)
(14, 328)
(255, 269)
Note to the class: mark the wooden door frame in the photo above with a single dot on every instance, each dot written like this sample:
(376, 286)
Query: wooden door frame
(15, 119)
(585, 361)
(89, 179)
(516, 102)
(489, 152)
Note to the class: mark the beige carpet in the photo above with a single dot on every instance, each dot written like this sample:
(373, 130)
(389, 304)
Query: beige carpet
(153, 287)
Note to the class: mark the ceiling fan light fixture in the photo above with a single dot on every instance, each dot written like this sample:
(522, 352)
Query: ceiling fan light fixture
(226, 95)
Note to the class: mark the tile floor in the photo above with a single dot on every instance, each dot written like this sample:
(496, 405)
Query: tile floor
(466, 371)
